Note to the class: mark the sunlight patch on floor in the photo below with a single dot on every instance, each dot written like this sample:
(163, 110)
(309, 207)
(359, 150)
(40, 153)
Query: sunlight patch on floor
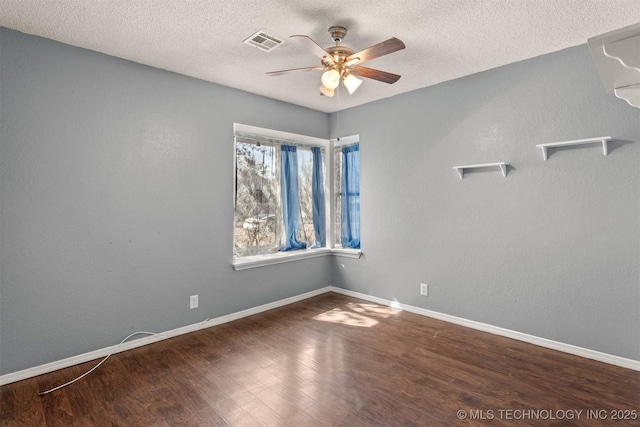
(357, 314)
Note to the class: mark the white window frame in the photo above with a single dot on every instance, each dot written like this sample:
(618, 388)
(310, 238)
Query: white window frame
(242, 263)
(336, 247)
(332, 248)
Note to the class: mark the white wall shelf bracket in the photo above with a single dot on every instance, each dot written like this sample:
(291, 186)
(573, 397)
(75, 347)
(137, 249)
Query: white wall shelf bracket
(631, 94)
(617, 58)
(599, 140)
(627, 53)
(501, 165)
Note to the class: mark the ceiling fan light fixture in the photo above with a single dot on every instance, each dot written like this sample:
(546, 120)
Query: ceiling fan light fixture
(352, 83)
(331, 79)
(326, 91)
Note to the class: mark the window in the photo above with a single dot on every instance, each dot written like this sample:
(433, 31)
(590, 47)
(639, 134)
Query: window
(284, 207)
(305, 174)
(257, 228)
(346, 193)
(279, 192)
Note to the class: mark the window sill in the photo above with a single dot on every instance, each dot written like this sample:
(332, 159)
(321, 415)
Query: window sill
(255, 261)
(277, 258)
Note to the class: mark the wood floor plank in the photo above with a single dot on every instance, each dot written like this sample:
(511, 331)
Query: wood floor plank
(331, 360)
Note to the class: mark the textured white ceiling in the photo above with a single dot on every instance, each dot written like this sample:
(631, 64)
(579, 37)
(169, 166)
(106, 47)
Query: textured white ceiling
(445, 39)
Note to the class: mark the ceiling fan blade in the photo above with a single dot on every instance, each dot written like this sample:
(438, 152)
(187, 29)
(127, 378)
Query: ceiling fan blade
(314, 48)
(383, 48)
(293, 70)
(370, 73)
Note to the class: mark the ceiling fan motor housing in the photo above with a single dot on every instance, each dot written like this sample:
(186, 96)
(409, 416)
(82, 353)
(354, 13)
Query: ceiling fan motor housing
(337, 33)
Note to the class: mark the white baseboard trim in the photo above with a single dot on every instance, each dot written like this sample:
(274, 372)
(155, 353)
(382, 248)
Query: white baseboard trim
(543, 342)
(97, 354)
(531, 339)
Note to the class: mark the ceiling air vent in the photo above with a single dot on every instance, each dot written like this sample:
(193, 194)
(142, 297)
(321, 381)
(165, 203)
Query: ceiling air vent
(264, 41)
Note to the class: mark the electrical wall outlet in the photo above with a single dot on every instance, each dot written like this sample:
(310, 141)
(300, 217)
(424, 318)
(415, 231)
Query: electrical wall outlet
(193, 302)
(424, 289)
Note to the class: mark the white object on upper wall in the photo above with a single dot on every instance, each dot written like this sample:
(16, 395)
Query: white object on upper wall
(617, 58)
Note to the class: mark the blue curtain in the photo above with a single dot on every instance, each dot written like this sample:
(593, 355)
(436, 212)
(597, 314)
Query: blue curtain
(317, 196)
(350, 195)
(289, 193)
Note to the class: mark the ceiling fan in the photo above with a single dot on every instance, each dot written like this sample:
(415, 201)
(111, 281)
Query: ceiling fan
(341, 63)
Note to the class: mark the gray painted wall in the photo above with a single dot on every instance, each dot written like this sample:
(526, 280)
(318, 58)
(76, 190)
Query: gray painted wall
(552, 250)
(116, 201)
(116, 190)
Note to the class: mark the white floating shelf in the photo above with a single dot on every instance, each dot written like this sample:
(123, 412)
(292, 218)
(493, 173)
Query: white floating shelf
(599, 140)
(501, 165)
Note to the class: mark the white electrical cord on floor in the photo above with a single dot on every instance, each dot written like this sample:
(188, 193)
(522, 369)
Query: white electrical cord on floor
(100, 363)
(105, 359)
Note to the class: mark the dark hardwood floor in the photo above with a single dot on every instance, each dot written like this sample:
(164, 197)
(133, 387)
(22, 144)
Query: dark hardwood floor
(332, 361)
